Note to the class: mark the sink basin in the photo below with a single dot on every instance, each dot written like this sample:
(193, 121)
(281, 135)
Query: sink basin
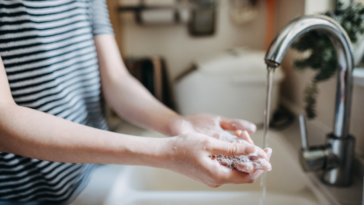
(286, 184)
(206, 198)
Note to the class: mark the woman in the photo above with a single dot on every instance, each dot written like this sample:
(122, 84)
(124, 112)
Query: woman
(56, 58)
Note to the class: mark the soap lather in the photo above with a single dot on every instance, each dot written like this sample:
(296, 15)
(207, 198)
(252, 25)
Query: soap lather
(243, 163)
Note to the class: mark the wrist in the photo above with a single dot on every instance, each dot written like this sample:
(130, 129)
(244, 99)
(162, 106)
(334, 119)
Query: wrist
(174, 123)
(161, 153)
(154, 152)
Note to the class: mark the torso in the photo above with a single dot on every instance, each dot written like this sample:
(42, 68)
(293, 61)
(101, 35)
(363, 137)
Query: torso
(50, 60)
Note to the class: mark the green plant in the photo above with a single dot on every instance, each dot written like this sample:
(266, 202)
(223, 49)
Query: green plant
(322, 55)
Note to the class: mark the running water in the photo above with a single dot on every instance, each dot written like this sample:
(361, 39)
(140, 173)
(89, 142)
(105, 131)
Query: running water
(263, 179)
(270, 74)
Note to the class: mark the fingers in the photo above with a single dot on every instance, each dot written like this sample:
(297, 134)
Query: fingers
(231, 149)
(244, 135)
(234, 149)
(269, 152)
(260, 153)
(245, 167)
(233, 125)
(236, 177)
(247, 163)
(251, 163)
(265, 163)
(250, 174)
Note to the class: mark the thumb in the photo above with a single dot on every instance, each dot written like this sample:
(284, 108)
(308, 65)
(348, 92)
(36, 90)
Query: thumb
(235, 124)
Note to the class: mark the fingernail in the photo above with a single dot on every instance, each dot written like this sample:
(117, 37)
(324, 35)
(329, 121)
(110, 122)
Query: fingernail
(252, 127)
(262, 154)
(249, 148)
(269, 153)
(238, 133)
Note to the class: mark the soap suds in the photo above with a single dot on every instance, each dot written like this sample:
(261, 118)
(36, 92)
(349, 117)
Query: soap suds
(210, 125)
(243, 163)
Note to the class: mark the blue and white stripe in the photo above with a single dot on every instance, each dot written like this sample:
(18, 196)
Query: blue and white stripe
(51, 63)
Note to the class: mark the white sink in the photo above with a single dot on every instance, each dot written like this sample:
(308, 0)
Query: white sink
(286, 184)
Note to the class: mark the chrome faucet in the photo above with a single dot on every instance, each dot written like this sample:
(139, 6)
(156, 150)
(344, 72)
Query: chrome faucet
(334, 159)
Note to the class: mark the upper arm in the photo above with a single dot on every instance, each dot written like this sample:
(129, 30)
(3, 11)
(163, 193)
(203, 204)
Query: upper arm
(100, 18)
(110, 62)
(5, 94)
(111, 65)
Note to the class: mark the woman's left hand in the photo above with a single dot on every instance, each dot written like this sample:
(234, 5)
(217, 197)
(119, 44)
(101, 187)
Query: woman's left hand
(211, 125)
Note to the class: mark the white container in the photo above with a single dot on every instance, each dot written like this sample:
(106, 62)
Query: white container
(232, 84)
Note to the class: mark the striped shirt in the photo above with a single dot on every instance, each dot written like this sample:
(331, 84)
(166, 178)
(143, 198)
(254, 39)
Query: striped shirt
(50, 60)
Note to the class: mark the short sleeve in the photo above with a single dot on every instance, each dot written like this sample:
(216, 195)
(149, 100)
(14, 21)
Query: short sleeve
(100, 18)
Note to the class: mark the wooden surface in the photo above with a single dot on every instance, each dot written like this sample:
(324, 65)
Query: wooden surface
(270, 23)
(115, 19)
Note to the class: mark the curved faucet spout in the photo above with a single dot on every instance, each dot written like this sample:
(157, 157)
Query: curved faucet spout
(342, 45)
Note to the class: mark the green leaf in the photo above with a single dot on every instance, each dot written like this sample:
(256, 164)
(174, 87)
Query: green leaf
(322, 56)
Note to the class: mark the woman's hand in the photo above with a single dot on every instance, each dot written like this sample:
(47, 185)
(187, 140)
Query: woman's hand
(193, 155)
(210, 125)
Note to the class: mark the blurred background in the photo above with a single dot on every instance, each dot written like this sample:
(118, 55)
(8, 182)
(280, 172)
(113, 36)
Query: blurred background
(207, 56)
(162, 46)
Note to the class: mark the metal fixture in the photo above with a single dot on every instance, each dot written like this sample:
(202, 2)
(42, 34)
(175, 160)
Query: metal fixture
(177, 8)
(334, 159)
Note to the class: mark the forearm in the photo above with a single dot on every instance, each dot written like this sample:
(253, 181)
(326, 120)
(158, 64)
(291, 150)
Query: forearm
(134, 103)
(34, 134)
(125, 94)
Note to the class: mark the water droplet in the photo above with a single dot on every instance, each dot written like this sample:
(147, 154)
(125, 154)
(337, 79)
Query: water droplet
(175, 148)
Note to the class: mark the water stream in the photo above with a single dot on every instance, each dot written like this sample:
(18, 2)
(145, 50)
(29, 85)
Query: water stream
(263, 179)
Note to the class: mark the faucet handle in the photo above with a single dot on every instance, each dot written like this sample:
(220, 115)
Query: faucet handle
(303, 131)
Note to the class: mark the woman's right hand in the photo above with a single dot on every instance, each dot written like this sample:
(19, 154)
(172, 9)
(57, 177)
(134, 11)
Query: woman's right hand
(191, 155)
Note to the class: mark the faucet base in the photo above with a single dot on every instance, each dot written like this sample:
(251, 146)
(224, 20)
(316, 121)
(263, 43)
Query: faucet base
(342, 151)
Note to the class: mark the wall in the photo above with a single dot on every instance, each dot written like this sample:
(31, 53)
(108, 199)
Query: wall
(295, 82)
(180, 49)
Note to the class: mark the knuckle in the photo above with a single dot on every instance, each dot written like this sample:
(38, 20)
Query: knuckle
(217, 136)
(207, 143)
(233, 149)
